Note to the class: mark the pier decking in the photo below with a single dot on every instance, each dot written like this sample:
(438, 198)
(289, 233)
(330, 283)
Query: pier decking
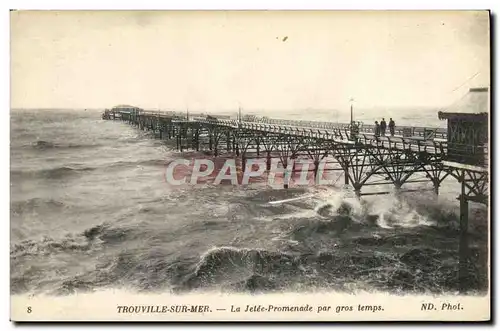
(363, 156)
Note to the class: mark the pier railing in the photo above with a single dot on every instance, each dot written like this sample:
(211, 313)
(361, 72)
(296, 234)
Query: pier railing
(317, 129)
(422, 143)
(418, 146)
(340, 135)
(314, 128)
(403, 131)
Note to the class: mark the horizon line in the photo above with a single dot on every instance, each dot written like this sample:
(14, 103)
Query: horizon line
(232, 109)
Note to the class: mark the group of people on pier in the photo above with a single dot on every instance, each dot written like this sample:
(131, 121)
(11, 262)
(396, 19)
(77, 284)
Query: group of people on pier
(380, 129)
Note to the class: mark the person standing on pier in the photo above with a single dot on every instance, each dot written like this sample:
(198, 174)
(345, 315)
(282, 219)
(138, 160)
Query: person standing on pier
(383, 126)
(377, 129)
(392, 125)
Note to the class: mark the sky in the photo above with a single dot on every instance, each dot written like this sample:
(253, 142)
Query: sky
(269, 60)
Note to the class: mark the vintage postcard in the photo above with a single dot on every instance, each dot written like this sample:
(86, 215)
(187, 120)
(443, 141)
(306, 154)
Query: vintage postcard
(250, 166)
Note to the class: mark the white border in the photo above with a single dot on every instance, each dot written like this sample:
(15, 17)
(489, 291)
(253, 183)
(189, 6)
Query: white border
(254, 4)
(189, 4)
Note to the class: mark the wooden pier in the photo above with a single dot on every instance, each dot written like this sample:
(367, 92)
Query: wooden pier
(366, 159)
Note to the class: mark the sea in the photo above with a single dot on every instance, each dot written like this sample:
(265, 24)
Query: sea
(90, 210)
